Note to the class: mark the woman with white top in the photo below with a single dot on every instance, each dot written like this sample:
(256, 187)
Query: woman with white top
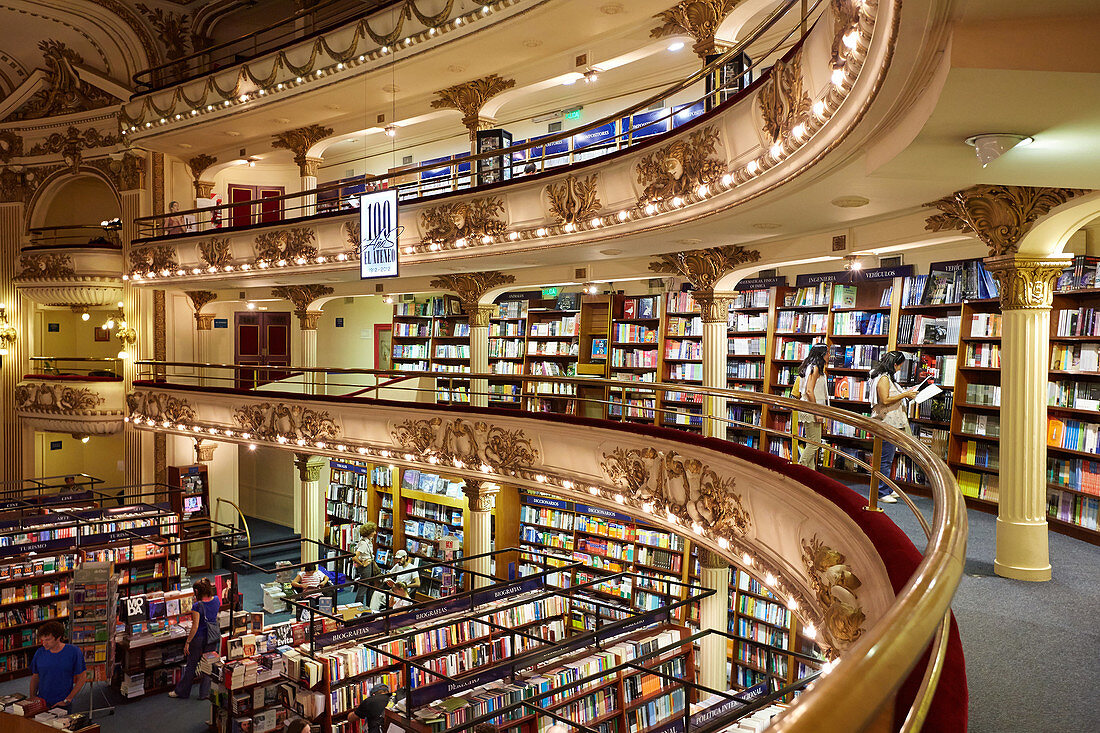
(888, 404)
(812, 376)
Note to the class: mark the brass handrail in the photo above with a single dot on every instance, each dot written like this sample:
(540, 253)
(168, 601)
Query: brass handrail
(240, 515)
(842, 700)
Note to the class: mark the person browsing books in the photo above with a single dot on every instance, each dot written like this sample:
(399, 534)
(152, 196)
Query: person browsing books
(366, 566)
(205, 636)
(58, 671)
(811, 376)
(372, 709)
(888, 404)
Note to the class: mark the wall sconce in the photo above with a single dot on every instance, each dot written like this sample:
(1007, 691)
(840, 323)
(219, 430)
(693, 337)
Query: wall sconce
(126, 335)
(8, 334)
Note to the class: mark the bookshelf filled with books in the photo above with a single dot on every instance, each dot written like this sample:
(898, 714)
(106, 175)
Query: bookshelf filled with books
(451, 353)
(683, 362)
(360, 492)
(748, 332)
(553, 348)
(507, 351)
(635, 356)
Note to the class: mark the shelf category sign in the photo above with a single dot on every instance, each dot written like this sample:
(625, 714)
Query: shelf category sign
(853, 276)
(379, 233)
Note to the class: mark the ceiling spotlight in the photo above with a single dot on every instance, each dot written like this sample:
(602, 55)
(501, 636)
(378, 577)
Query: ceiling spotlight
(676, 46)
(591, 75)
(391, 130)
(992, 145)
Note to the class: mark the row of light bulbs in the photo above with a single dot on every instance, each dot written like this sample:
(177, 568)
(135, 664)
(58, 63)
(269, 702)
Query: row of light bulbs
(769, 579)
(340, 66)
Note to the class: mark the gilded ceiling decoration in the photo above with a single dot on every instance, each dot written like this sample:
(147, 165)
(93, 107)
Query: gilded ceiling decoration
(215, 251)
(45, 266)
(301, 296)
(470, 96)
(198, 164)
(696, 18)
(353, 236)
(408, 11)
(70, 144)
(783, 100)
(286, 244)
(470, 286)
(469, 220)
(835, 585)
(11, 145)
(173, 29)
(1025, 283)
(200, 298)
(155, 258)
(300, 140)
(685, 487)
(705, 267)
(574, 200)
(64, 92)
(1000, 216)
(467, 442)
(845, 20)
(56, 398)
(159, 406)
(679, 168)
(274, 420)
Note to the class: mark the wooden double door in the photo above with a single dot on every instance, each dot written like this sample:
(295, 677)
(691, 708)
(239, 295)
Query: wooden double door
(262, 348)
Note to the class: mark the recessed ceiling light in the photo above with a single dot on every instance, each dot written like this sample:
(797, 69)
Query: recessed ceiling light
(850, 202)
(676, 46)
(611, 8)
(611, 252)
(992, 145)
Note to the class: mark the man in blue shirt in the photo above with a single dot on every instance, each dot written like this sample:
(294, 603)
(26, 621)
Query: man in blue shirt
(58, 671)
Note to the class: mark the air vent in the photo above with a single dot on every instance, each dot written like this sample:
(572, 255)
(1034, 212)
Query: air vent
(581, 60)
(581, 273)
(408, 298)
(242, 296)
(407, 160)
(772, 272)
(381, 119)
(379, 288)
(658, 105)
(553, 127)
(349, 172)
(840, 242)
(895, 261)
(244, 153)
(349, 300)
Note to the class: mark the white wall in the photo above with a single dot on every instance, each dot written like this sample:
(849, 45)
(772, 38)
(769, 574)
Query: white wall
(267, 484)
(101, 457)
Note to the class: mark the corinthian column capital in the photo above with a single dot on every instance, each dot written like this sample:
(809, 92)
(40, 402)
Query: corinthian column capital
(1026, 282)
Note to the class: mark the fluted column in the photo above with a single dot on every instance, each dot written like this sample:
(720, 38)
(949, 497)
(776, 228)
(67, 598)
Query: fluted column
(479, 352)
(715, 312)
(482, 497)
(307, 351)
(15, 363)
(308, 170)
(133, 205)
(310, 512)
(714, 574)
(204, 331)
(1026, 295)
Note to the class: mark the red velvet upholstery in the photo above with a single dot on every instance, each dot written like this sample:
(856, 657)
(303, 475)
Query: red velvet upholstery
(950, 704)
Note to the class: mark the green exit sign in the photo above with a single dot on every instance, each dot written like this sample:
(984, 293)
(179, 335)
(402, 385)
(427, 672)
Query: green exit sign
(573, 114)
(550, 292)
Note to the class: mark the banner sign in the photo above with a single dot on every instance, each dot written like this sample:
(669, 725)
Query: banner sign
(726, 707)
(950, 265)
(595, 511)
(886, 273)
(379, 232)
(816, 278)
(65, 543)
(44, 500)
(762, 283)
(365, 470)
(546, 502)
(877, 273)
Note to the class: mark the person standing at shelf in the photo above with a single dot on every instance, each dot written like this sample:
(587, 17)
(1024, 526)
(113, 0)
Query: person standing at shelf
(205, 636)
(58, 671)
(372, 709)
(888, 404)
(366, 565)
(811, 374)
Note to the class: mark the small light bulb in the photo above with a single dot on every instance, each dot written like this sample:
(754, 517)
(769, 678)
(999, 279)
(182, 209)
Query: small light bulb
(838, 77)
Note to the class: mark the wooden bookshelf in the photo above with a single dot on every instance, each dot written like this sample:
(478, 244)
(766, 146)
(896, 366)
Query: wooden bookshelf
(682, 345)
(507, 351)
(749, 332)
(635, 355)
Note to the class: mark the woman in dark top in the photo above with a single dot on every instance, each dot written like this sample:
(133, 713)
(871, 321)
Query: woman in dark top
(205, 636)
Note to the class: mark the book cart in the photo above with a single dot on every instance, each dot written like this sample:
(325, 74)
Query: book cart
(505, 654)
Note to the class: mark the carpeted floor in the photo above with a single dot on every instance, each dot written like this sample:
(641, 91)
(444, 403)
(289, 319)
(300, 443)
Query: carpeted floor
(1032, 649)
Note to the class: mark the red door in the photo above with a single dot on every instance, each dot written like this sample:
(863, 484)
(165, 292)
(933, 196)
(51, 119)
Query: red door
(262, 348)
(266, 209)
(240, 216)
(270, 207)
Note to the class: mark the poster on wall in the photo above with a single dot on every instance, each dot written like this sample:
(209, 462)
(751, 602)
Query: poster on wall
(379, 233)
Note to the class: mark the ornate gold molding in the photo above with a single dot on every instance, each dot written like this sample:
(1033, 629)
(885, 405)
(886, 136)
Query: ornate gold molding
(45, 266)
(845, 20)
(308, 321)
(835, 586)
(200, 298)
(204, 321)
(714, 307)
(697, 18)
(470, 286)
(286, 244)
(782, 99)
(309, 467)
(173, 29)
(712, 560)
(70, 144)
(64, 91)
(215, 251)
(56, 398)
(292, 423)
(198, 164)
(159, 406)
(155, 258)
(1000, 216)
(204, 450)
(573, 200)
(679, 168)
(11, 145)
(1025, 283)
(470, 220)
(705, 267)
(204, 189)
(299, 141)
(464, 442)
(684, 487)
(481, 495)
(470, 96)
(301, 296)
(309, 166)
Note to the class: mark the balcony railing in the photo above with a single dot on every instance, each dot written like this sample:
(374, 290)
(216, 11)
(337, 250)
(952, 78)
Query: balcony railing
(884, 653)
(303, 24)
(627, 129)
(76, 367)
(84, 236)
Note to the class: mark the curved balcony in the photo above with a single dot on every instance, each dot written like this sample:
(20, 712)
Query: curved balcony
(81, 396)
(630, 182)
(868, 597)
(78, 266)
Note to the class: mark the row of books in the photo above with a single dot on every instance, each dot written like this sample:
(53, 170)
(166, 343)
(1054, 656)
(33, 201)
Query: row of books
(429, 483)
(818, 295)
(502, 348)
(977, 453)
(855, 356)
(438, 306)
(1075, 357)
(410, 351)
(634, 358)
(683, 350)
(983, 394)
(452, 351)
(1073, 434)
(985, 325)
(1075, 473)
(981, 424)
(565, 326)
(1074, 395)
(986, 356)
(684, 326)
(447, 329)
(552, 348)
(742, 370)
(37, 566)
(919, 329)
(800, 322)
(1080, 275)
(1079, 322)
(740, 322)
(1074, 508)
(791, 349)
(642, 307)
(978, 485)
(410, 329)
(861, 323)
(502, 329)
(690, 372)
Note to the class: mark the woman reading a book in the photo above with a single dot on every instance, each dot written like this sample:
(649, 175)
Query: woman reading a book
(205, 636)
(811, 376)
(57, 669)
(888, 403)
